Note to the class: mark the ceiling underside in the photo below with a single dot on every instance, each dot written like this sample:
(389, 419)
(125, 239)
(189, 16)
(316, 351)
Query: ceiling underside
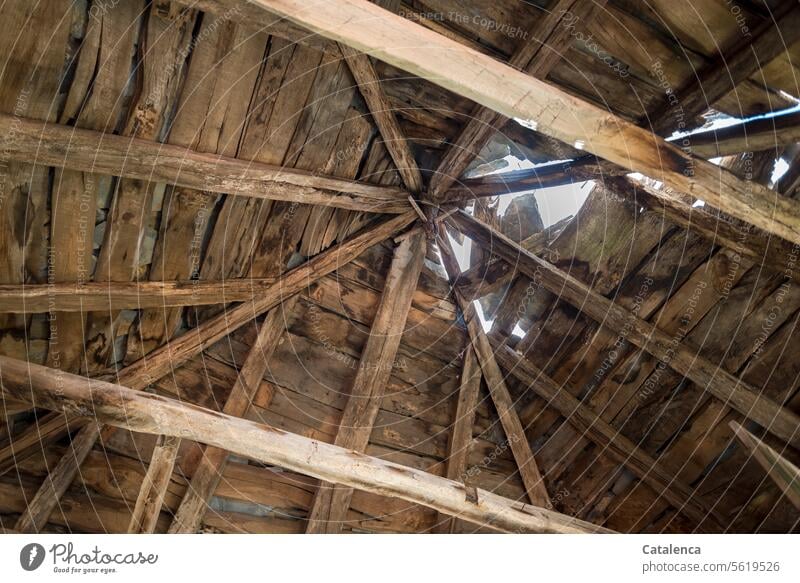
(165, 73)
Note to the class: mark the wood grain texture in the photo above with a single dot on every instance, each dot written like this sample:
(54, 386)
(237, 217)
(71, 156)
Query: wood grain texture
(106, 296)
(245, 391)
(516, 439)
(100, 153)
(142, 412)
(556, 114)
(665, 347)
(376, 363)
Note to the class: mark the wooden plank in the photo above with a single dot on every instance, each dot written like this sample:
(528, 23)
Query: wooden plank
(154, 485)
(382, 113)
(772, 133)
(374, 368)
(460, 438)
(746, 59)
(466, 72)
(142, 412)
(613, 443)
(56, 483)
(537, 55)
(143, 372)
(665, 347)
(783, 472)
(503, 402)
(99, 296)
(102, 153)
(207, 475)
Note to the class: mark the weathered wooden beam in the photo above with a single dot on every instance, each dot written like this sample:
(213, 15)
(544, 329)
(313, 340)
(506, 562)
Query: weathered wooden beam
(160, 362)
(770, 133)
(742, 238)
(555, 113)
(374, 368)
(154, 485)
(147, 413)
(666, 348)
(207, 475)
(608, 438)
(501, 397)
(102, 153)
(488, 277)
(95, 296)
(537, 55)
(41, 506)
(783, 472)
(721, 76)
(44, 431)
(460, 438)
(369, 84)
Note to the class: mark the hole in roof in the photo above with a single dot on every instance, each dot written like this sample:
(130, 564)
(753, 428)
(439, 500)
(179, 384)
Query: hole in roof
(781, 167)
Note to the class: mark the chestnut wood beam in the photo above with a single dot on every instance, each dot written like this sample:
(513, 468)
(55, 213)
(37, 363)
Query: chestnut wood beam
(460, 438)
(516, 439)
(536, 56)
(162, 361)
(370, 29)
(741, 238)
(147, 413)
(38, 510)
(208, 473)
(771, 133)
(665, 347)
(381, 109)
(331, 502)
(106, 296)
(102, 153)
(721, 76)
(154, 485)
(783, 472)
(606, 437)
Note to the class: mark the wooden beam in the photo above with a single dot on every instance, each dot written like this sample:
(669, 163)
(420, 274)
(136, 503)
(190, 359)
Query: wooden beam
(147, 413)
(331, 502)
(519, 181)
(555, 113)
(154, 486)
(503, 402)
(41, 506)
(771, 133)
(207, 475)
(743, 239)
(666, 348)
(608, 438)
(783, 472)
(460, 439)
(162, 361)
(488, 277)
(101, 153)
(745, 59)
(537, 55)
(96, 296)
(382, 113)
(44, 431)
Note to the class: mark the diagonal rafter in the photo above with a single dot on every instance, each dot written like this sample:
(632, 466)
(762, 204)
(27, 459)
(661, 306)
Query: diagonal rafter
(142, 412)
(159, 363)
(207, 475)
(537, 56)
(331, 502)
(509, 419)
(555, 113)
(665, 347)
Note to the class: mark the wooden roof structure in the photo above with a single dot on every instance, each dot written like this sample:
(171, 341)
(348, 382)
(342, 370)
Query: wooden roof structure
(233, 289)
